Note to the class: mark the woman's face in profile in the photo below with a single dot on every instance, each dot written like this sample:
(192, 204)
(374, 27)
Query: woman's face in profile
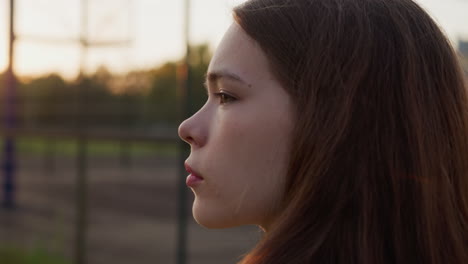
(240, 138)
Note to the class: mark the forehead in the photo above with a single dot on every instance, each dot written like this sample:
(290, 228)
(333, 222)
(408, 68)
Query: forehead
(240, 54)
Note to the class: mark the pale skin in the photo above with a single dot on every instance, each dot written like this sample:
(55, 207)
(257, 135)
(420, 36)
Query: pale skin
(240, 138)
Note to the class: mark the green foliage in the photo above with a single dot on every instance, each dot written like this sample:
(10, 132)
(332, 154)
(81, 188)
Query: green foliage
(41, 100)
(199, 67)
(162, 102)
(140, 100)
(15, 255)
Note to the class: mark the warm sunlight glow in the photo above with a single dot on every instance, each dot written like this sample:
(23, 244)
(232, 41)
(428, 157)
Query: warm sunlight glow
(155, 28)
(3, 36)
(3, 59)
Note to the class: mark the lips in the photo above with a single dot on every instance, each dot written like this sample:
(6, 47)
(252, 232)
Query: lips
(194, 178)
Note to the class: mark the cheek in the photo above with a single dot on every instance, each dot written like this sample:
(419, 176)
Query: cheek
(248, 167)
(251, 150)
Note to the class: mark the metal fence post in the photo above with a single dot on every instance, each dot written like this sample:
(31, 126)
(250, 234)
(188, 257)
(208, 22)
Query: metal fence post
(181, 257)
(9, 163)
(82, 151)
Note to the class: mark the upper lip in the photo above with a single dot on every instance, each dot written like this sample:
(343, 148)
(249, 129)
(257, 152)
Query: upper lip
(192, 171)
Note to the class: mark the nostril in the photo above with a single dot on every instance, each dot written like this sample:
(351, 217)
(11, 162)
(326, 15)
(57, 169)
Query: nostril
(185, 136)
(189, 140)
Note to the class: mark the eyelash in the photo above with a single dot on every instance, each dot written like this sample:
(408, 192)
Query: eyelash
(224, 98)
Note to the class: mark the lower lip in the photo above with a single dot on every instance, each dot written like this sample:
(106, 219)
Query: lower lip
(193, 180)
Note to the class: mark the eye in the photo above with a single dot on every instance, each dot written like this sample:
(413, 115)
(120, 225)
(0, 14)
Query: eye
(224, 98)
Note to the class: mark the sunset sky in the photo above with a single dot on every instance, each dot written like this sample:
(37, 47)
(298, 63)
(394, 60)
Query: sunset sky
(155, 28)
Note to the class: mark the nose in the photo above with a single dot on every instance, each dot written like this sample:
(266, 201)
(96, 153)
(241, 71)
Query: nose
(193, 131)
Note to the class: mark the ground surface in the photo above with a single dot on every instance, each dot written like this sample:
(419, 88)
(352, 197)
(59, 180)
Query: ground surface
(132, 213)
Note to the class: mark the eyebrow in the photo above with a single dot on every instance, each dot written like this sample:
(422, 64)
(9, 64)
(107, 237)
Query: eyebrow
(223, 74)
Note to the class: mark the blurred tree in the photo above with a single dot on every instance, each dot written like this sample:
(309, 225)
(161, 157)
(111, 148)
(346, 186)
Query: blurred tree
(139, 99)
(44, 101)
(161, 101)
(161, 105)
(199, 61)
(107, 109)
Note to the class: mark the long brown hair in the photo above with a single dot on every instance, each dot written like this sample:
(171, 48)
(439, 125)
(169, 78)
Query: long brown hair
(379, 163)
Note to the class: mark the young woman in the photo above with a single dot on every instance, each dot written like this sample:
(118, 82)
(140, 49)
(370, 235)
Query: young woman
(340, 127)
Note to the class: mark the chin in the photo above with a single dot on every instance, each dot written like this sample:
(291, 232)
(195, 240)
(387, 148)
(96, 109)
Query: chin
(214, 218)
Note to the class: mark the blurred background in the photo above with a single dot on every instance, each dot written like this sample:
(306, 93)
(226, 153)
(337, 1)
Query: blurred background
(91, 94)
